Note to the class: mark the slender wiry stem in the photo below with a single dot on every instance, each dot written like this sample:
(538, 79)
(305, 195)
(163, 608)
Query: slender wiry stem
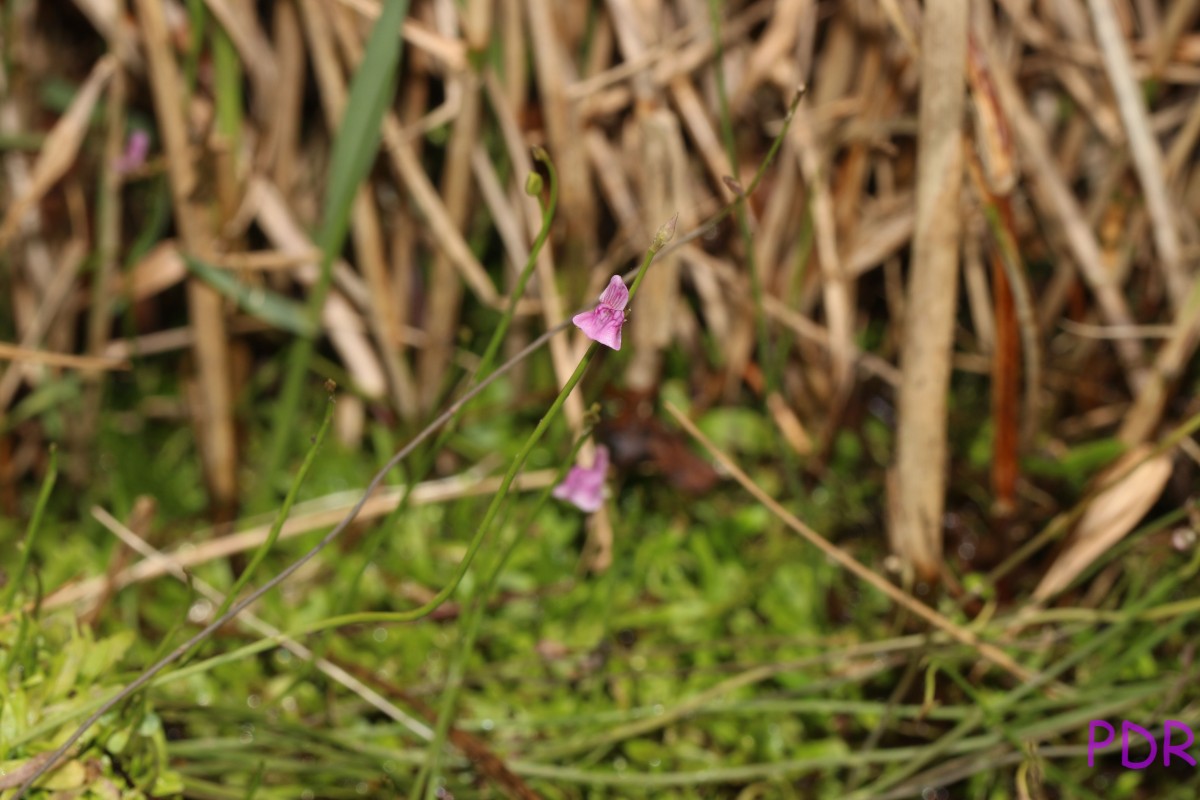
(288, 571)
(659, 246)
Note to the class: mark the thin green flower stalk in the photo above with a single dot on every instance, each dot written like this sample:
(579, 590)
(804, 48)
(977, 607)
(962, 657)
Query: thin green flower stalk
(150, 676)
(661, 238)
(471, 632)
(533, 188)
(261, 553)
(712, 222)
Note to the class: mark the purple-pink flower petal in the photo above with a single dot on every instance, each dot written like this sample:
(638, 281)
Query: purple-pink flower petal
(137, 147)
(584, 486)
(603, 323)
(615, 295)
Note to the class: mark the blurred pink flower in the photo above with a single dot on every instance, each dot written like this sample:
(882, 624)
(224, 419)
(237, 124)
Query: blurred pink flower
(137, 147)
(603, 323)
(584, 486)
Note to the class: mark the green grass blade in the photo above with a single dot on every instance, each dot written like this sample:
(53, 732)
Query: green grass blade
(271, 308)
(354, 150)
(14, 580)
(281, 517)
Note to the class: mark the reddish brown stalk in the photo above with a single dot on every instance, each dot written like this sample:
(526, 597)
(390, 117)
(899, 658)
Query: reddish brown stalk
(1006, 367)
(992, 169)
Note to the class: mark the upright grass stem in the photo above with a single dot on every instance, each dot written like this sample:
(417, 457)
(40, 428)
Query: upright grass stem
(771, 366)
(261, 553)
(1008, 701)
(354, 150)
(726, 116)
(35, 524)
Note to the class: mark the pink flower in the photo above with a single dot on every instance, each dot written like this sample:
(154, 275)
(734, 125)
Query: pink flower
(584, 486)
(137, 147)
(603, 323)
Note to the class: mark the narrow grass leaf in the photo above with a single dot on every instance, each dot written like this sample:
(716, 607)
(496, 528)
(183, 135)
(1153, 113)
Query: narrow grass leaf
(354, 150)
(271, 308)
(358, 136)
(14, 580)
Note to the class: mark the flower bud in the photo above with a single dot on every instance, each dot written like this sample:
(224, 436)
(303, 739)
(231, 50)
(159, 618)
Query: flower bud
(665, 233)
(533, 184)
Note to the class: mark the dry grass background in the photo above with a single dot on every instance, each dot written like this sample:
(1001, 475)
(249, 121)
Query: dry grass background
(1039, 154)
(1068, 163)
